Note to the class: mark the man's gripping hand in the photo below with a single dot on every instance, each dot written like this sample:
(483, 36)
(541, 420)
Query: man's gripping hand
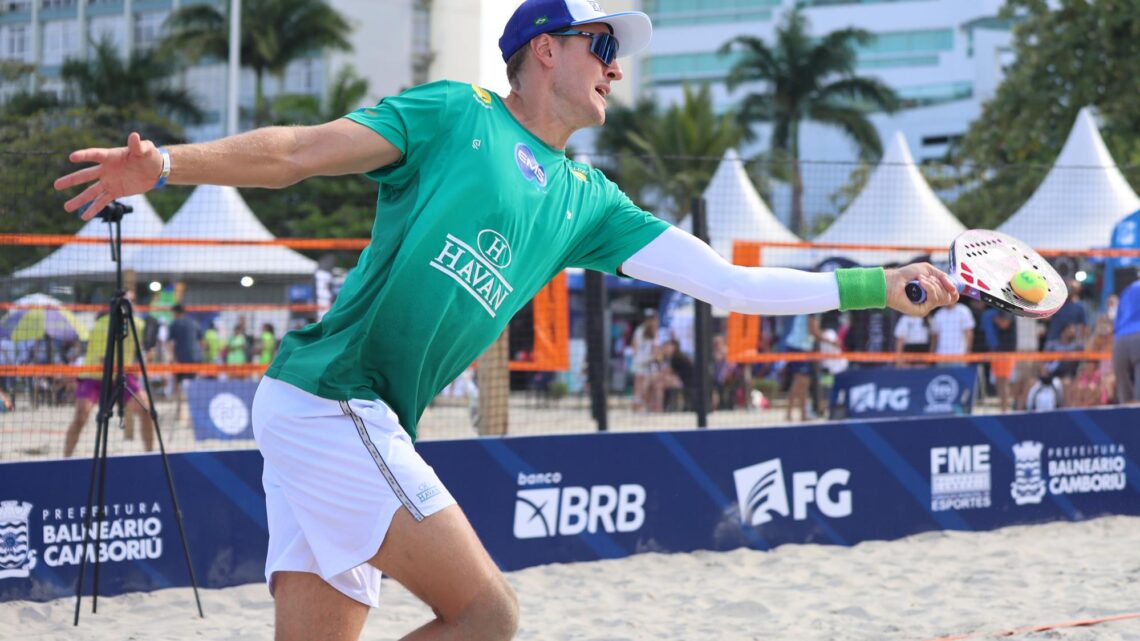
(118, 172)
(940, 290)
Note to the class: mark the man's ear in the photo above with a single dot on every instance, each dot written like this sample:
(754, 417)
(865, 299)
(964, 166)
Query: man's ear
(542, 46)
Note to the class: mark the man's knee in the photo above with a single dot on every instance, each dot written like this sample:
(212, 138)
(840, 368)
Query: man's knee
(495, 615)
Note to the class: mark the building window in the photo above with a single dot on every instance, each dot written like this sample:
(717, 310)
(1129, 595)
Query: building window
(148, 28)
(694, 67)
(302, 77)
(17, 46)
(676, 13)
(15, 6)
(60, 41)
(112, 28)
(905, 49)
(49, 5)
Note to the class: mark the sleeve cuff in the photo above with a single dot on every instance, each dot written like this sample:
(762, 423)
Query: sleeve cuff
(862, 288)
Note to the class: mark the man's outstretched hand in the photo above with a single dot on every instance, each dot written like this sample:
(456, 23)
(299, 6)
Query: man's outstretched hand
(940, 290)
(118, 172)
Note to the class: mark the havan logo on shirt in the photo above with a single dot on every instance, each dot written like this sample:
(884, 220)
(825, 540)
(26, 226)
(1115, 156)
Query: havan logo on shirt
(477, 270)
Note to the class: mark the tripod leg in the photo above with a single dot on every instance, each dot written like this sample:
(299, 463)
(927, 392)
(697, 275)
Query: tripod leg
(162, 452)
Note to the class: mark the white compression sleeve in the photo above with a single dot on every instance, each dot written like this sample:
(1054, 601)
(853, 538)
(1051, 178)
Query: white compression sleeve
(678, 260)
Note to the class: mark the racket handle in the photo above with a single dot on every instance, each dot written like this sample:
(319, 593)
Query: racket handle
(915, 292)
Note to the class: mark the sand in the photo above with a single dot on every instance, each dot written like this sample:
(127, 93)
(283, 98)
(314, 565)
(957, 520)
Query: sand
(922, 587)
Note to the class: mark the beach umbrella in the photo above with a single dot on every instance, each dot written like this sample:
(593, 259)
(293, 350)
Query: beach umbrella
(41, 316)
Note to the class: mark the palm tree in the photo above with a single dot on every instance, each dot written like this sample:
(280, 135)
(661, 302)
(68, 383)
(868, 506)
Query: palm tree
(344, 95)
(105, 80)
(808, 79)
(274, 34)
(677, 149)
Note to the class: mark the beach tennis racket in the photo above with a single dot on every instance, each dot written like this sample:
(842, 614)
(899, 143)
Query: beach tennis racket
(1001, 271)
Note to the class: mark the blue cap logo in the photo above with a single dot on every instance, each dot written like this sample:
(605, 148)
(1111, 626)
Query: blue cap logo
(528, 165)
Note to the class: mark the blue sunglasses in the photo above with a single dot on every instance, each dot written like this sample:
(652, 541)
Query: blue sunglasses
(604, 46)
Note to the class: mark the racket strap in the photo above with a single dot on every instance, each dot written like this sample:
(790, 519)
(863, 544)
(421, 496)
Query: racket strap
(862, 288)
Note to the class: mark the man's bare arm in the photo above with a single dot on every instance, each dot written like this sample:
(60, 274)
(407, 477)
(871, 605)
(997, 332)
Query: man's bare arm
(271, 157)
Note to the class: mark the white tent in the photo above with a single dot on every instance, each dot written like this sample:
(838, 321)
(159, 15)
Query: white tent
(736, 212)
(1081, 199)
(81, 260)
(214, 212)
(895, 207)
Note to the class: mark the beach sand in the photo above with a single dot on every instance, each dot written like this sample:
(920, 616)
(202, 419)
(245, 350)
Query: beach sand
(922, 587)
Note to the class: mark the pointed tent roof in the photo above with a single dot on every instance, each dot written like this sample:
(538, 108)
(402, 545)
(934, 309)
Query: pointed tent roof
(736, 212)
(895, 207)
(1081, 199)
(81, 260)
(215, 212)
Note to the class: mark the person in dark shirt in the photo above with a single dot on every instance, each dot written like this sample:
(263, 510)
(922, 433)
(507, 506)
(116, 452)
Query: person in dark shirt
(186, 346)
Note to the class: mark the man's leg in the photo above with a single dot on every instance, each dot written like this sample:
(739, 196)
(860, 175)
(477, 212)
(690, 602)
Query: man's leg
(441, 561)
(308, 609)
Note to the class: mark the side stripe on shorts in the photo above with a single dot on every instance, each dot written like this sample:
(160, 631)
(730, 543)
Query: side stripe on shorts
(380, 463)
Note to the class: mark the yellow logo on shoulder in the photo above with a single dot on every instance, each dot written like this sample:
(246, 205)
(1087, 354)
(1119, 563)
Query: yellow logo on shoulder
(482, 95)
(579, 174)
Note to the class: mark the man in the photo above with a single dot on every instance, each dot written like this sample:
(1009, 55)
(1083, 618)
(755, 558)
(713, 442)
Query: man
(186, 346)
(952, 333)
(1126, 346)
(478, 208)
(1072, 312)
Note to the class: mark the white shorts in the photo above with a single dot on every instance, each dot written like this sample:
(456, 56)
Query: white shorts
(335, 474)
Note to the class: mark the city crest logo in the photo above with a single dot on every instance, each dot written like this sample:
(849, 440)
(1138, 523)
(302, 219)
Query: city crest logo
(17, 559)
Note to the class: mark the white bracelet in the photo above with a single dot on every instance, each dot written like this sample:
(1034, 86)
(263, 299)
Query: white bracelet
(165, 168)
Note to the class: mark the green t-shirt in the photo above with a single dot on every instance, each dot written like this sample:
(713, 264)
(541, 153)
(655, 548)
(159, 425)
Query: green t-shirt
(477, 216)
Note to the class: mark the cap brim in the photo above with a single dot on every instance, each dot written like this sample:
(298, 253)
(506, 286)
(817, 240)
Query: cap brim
(633, 30)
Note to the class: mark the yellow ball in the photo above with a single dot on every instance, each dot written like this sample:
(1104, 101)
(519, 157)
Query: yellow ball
(1029, 285)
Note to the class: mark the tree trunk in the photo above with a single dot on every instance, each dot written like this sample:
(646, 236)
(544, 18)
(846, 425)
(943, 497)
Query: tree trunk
(258, 99)
(493, 379)
(797, 221)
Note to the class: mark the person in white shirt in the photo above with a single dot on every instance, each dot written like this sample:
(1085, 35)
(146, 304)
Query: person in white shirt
(911, 335)
(952, 332)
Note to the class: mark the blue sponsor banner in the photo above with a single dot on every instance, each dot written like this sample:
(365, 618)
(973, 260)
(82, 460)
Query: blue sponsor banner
(536, 500)
(221, 408)
(886, 392)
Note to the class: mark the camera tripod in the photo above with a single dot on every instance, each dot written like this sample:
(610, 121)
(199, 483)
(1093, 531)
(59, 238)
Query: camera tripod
(112, 394)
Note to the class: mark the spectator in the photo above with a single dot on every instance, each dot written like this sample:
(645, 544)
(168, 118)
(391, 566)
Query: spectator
(731, 381)
(644, 363)
(186, 346)
(212, 344)
(952, 333)
(1073, 311)
(677, 382)
(267, 344)
(1126, 345)
(803, 331)
(869, 331)
(1000, 336)
(1101, 343)
(88, 388)
(1027, 338)
(237, 346)
(1066, 371)
(912, 335)
(1046, 393)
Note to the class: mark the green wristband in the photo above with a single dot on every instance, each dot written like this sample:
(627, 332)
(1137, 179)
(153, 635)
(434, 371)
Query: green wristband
(862, 288)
